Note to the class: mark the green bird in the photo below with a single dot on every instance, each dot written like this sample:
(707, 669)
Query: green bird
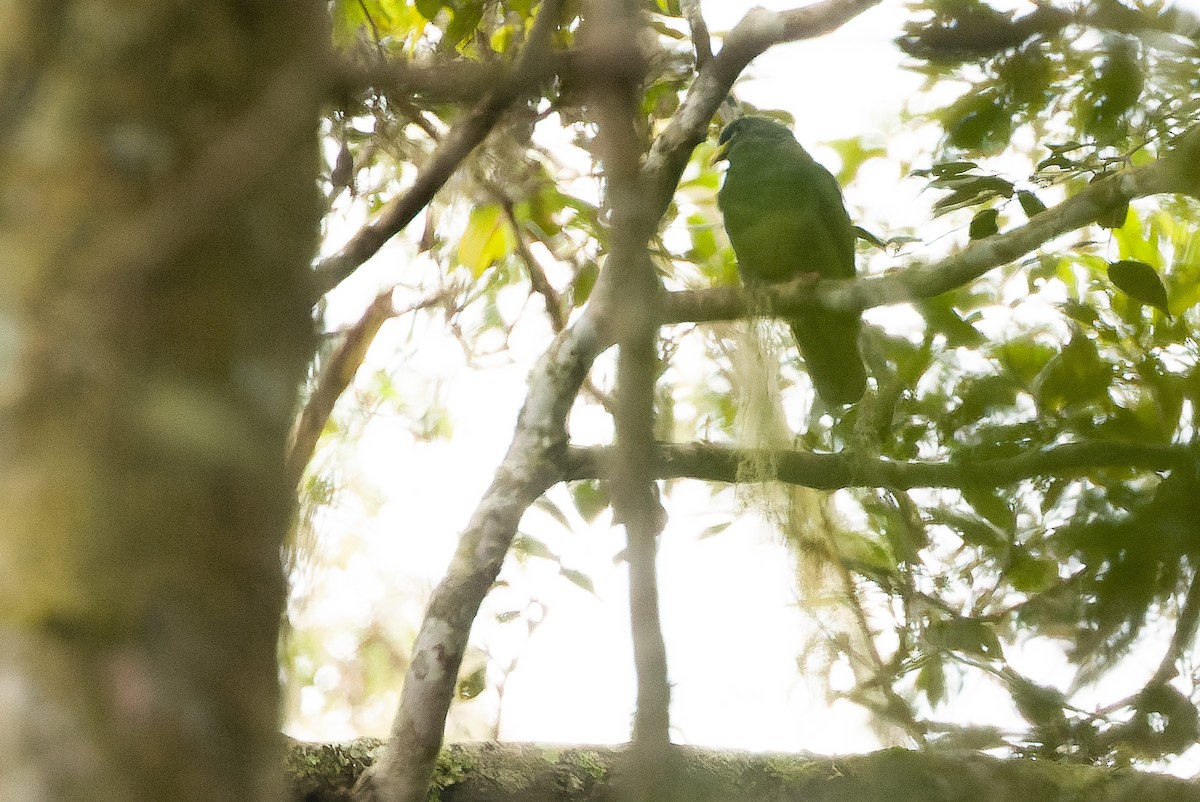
(785, 217)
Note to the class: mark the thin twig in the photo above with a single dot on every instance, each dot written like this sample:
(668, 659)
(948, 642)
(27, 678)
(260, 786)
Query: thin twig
(1184, 636)
(335, 376)
(701, 41)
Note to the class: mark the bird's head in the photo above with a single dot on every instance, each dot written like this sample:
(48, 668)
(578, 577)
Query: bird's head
(751, 133)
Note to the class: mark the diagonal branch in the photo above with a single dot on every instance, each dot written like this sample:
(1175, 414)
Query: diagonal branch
(1183, 637)
(456, 147)
(334, 377)
(700, 37)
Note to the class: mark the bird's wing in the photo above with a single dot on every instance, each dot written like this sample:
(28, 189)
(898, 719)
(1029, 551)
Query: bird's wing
(785, 217)
(835, 222)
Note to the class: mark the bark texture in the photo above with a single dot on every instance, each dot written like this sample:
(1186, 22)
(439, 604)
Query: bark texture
(158, 212)
(528, 772)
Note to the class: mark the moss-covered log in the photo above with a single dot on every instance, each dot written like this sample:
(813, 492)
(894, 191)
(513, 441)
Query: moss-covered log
(522, 772)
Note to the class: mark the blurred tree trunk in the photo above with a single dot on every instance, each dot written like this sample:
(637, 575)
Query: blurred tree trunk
(158, 212)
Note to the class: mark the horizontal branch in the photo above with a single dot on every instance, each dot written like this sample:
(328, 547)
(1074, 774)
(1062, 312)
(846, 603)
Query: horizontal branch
(434, 80)
(1174, 172)
(718, 463)
(508, 772)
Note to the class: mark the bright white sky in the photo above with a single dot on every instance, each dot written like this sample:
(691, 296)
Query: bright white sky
(729, 604)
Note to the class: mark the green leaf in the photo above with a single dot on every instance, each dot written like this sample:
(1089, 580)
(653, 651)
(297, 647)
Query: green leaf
(522, 7)
(932, 680)
(984, 224)
(714, 530)
(347, 17)
(579, 579)
(661, 99)
(591, 499)
(1114, 90)
(1025, 358)
(472, 684)
(974, 530)
(486, 239)
(1075, 376)
(965, 635)
(465, 21)
(1030, 574)
(994, 505)
(941, 316)
(1141, 282)
(980, 121)
(981, 397)
(429, 8)
(502, 37)
(867, 236)
(704, 239)
(1028, 74)
(666, 30)
(1041, 706)
(529, 546)
(946, 170)
(542, 210)
(585, 280)
(853, 153)
(973, 191)
(550, 508)
(1030, 204)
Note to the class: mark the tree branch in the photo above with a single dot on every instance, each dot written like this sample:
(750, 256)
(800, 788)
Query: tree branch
(456, 147)
(718, 463)
(435, 80)
(758, 31)
(1174, 172)
(701, 41)
(335, 376)
(631, 292)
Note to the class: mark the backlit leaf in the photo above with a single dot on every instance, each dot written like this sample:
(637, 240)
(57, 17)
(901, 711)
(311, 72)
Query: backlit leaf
(984, 224)
(591, 499)
(579, 579)
(486, 239)
(1030, 204)
(1076, 375)
(1141, 282)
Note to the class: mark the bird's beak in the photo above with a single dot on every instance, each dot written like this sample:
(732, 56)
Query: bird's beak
(722, 153)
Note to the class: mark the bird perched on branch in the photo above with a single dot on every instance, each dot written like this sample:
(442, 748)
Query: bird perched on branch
(785, 217)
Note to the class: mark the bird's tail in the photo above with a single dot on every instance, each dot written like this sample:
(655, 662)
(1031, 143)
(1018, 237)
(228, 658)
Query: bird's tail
(829, 345)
